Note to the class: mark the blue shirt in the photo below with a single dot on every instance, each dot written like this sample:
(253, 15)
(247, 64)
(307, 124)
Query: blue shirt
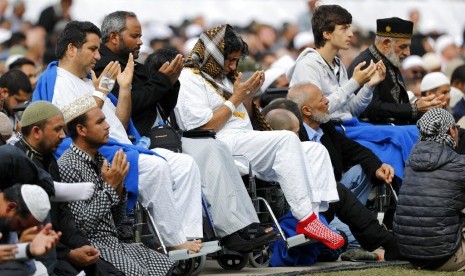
(313, 135)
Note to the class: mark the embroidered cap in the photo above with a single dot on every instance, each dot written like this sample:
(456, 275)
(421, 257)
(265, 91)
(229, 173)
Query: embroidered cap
(78, 107)
(38, 111)
(394, 27)
(36, 200)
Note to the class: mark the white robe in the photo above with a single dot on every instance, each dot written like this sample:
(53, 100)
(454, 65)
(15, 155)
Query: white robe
(303, 170)
(170, 189)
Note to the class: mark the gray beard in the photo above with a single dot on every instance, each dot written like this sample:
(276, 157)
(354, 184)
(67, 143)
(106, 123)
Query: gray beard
(391, 56)
(320, 117)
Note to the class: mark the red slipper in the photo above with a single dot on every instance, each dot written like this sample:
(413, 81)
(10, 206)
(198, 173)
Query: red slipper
(313, 228)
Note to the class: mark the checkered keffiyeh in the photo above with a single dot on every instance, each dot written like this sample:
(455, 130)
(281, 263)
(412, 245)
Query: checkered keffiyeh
(208, 57)
(434, 126)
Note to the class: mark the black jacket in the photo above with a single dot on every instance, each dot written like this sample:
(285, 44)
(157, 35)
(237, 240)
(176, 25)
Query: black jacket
(147, 91)
(428, 221)
(383, 105)
(345, 153)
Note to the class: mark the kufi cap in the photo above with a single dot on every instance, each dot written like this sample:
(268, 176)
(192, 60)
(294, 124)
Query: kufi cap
(431, 61)
(11, 59)
(193, 30)
(433, 80)
(271, 75)
(36, 200)
(303, 39)
(38, 111)
(6, 127)
(285, 62)
(78, 107)
(394, 27)
(189, 45)
(443, 42)
(413, 61)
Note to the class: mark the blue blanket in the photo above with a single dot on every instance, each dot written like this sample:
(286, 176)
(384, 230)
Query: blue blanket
(392, 144)
(44, 91)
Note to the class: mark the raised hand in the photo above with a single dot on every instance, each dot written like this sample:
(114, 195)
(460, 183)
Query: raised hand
(114, 175)
(248, 88)
(110, 71)
(379, 74)
(44, 241)
(363, 76)
(172, 69)
(125, 78)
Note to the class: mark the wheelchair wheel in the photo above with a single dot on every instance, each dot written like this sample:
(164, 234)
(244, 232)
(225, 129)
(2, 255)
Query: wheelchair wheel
(199, 264)
(232, 262)
(260, 257)
(184, 267)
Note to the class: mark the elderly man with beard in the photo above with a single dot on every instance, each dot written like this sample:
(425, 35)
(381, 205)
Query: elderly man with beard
(390, 99)
(355, 166)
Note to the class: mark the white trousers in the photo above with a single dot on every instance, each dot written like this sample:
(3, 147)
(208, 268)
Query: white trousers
(229, 203)
(171, 190)
(303, 170)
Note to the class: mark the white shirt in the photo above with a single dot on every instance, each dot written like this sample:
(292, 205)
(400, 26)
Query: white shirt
(198, 99)
(69, 87)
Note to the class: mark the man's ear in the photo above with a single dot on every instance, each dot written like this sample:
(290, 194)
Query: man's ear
(11, 206)
(387, 44)
(306, 111)
(114, 38)
(71, 50)
(3, 92)
(81, 130)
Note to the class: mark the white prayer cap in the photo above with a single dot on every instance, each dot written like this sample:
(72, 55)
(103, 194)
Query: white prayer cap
(36, 200)
(159, 31)
(78, 107)
(189, 45)
(271, 75)
(412, 61)
(285, 62)
(6, 127)
(443, 42)
(303, 39)
(433, 80)
(12, 59)
(431, 61)
(4, 35)
(193, 30)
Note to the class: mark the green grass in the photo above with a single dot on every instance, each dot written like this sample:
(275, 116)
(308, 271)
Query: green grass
(386, 271)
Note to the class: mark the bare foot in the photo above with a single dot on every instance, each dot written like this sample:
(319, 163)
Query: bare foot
(191, 246)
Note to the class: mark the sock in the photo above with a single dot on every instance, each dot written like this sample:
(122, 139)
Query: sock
(72, 191)
(313, 228)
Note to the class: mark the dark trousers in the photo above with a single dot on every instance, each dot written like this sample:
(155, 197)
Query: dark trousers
(362, 222)
(13, 269)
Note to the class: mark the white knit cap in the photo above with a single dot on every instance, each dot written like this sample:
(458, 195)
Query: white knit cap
(36, 200)
(412, 61)
(78, 107)
(431, 61)
(442, 42)
(303, 39)
(6, 127)
(433, 80)
(271, 75)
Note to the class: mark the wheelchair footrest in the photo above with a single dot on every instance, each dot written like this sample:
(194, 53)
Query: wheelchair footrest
(297, 240)
(183, 254)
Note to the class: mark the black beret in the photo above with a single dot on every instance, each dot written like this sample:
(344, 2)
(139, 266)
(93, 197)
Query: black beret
(394, 27)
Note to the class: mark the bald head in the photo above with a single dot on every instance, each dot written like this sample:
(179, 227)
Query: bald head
(313, 105)
(282, 119)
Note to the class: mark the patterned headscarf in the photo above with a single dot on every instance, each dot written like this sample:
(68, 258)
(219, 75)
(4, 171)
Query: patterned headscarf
(207, 56)
(434, 126)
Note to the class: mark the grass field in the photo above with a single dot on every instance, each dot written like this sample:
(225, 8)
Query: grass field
(386, 271)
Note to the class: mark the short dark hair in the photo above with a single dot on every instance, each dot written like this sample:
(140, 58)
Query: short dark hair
(233, 42)
(15, 81)
(325, 19)
(20, 62)
(75, 32)
(458, 74)
(72, 125)
(13, 194)
(156, 59)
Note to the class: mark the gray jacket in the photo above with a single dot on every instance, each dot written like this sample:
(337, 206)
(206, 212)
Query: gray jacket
(339, 89)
